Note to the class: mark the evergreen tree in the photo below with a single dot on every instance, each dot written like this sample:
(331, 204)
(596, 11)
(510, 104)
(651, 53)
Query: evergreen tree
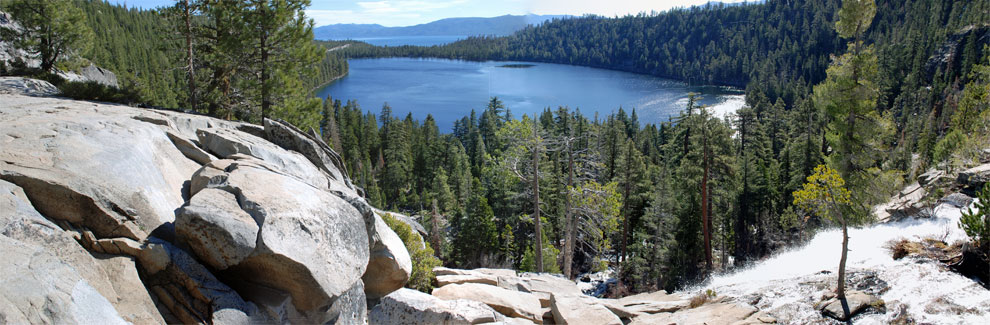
(281, 52)
(54, 30)
(397, 155)
(848, 95)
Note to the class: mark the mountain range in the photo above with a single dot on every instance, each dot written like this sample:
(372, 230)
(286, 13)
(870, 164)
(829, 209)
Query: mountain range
(469, 26)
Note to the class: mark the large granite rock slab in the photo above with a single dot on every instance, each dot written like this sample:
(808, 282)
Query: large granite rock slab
(854, 303)
(408, 306)
(47, 277)
(717, 313)
(580, 309)
(92, 165)
(507, 302)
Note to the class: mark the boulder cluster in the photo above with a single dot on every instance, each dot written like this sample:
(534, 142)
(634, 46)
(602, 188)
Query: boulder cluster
(481, 296)
(112, 214)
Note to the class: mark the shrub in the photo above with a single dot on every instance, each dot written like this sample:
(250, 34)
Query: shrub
(420, 252)
(95, 91)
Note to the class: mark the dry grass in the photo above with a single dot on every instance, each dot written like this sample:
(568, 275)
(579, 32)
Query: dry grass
(698, 300)
(901, 248)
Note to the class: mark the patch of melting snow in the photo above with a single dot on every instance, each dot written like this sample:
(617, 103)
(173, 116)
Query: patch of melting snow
(788, 285)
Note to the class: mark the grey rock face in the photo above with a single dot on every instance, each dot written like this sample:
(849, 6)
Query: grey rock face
(389, 266)
(855, 303)
(74, 287)
(310, 244)
(225, 143)
(318, 152)
(189, 290)
(408, 306)
(215, 227)
(580, 309)
(507, 302)
(974, 179)
(92, 165)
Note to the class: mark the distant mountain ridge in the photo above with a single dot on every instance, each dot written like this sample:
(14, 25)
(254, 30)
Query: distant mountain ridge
(471, 26)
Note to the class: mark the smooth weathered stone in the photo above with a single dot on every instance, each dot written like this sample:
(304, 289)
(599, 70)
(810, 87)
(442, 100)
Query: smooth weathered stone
(311, 244)
(580, 309)
(495, 272)
(225, 143)
(313, 148)
(717, 313)
(189, 291)
(47, 277)
(408, 306)
(843, 310)
(212, 174)
(506, 302)
(190, 149)
(389, 265)
(217, 230)
(443, 280)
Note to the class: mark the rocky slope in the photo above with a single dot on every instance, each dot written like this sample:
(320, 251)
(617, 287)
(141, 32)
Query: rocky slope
(113, 214)
(503, 296)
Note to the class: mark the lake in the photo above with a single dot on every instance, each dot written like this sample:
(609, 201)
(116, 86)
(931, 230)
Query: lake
(450, 89)
(411, 40)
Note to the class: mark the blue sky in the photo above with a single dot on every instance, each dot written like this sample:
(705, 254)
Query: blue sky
(412, 12)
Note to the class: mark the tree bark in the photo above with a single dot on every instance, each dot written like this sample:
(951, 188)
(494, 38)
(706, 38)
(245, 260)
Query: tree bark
(569, 216)
(435, 230)
(536, 205)
(705, 229)
(266, 102)
(840, 291)
(627, 189)
(190, 68)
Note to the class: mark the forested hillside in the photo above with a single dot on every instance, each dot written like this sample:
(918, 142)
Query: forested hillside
(497, 26)
(648, 199)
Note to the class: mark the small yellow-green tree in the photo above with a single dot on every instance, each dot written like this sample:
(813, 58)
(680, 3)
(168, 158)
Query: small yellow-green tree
(825, 194)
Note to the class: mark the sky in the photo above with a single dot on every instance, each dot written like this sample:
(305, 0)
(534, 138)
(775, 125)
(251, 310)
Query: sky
(412, 12)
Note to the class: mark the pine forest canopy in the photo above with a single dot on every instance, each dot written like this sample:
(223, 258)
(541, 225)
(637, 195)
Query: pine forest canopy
(666, 204)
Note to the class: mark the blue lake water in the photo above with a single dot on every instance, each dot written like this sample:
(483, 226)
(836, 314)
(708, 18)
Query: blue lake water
(450, 89)
(411, 40)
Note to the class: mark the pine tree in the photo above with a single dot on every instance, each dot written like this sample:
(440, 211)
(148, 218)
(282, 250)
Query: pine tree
(848, 95)
(281, 50)
(222, 50)
(397, 155)
(51, 29)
